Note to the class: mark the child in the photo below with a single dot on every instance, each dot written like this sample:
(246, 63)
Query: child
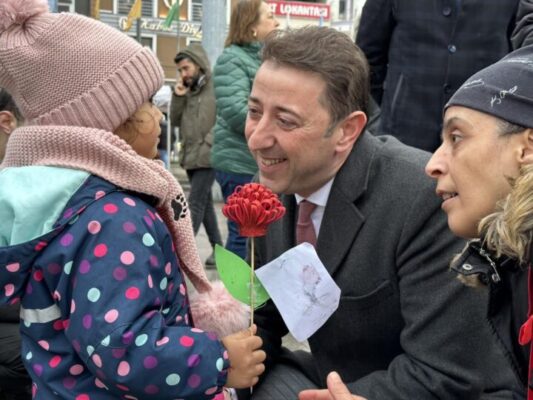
(90, 244)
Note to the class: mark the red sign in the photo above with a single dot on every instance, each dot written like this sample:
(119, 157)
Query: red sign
(300, 10)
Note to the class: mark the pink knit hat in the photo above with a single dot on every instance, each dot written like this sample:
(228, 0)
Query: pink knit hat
(67, 69)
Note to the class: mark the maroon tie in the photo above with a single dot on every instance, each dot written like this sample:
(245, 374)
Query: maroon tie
(305, 231)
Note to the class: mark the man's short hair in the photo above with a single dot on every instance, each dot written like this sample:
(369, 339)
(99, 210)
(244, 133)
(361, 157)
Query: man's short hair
(334, 57)
(182, 56)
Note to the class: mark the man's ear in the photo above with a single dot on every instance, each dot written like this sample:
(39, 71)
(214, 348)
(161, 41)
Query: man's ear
(526, 156)
(351, 128)
(8, 122)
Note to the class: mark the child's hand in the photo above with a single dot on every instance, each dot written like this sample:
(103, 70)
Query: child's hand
(246, 360)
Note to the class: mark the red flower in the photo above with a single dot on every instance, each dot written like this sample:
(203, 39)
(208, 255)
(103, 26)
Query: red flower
(253, 207)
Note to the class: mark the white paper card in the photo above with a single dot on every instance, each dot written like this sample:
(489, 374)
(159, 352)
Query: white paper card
(302, 290)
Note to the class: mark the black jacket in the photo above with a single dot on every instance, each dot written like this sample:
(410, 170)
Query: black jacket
(421, 51)
(508, 301)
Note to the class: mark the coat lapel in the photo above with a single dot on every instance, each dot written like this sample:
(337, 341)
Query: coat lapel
(342, 218)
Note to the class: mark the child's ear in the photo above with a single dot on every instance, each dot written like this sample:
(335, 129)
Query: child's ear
(8, 122)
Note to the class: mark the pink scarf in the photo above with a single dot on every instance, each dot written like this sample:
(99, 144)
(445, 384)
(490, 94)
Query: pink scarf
(106, 155)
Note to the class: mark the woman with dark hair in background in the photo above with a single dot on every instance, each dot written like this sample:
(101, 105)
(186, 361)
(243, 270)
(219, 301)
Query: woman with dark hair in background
(234, 72)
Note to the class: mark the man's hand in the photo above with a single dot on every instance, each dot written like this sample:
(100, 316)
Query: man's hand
(180, 89)
(246, 360)
(336, 390)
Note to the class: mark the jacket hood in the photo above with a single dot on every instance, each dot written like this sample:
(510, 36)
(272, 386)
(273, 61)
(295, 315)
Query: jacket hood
(197, 53)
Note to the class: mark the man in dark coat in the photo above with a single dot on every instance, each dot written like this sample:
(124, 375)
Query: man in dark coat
(405, 328)
(421, 51)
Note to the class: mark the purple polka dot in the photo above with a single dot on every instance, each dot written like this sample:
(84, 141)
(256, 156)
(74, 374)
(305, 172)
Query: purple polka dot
(87, 321)
(193, 360)
(212, 336)
(69, 382)
(120, 273)
(153, 261)
(127, 337)
(194, 380)
(68, 213)
(54, 268)
(85, 266)
(76, 346)
(29, 288)
(66, 239)
(129, 227)
(148, 220)
(150, 362)
(118, 353)
(38, 369)
(151, 389)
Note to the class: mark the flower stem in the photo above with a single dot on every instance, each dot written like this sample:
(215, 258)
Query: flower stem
(252, 274)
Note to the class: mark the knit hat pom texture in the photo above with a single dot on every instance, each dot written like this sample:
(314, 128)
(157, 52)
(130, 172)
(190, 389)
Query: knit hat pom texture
(17, 12)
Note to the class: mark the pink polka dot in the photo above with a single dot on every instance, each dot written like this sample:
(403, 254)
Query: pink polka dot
(110, 208)
(150, 282)
(186, 341)
(94, 227)
(14, 267)
(123, 368)
(99, 194)
(111, 316)
(193, 360)
(54, 362)
(158, 217)
(124, 388)
(76, 369)
(197, 330)
(57, 296)
(120, 273)
(150, 362)
(100, 250)
(183, 290)
(127, 258)
(164, 340)
(38, 275)
(211, 391)
(44, 344)
(83, 397)
(69, 382)
(85, 266)
(133, 293)
(87, 321)
(151, 389)
(58, 325)
(98, 383)
(33, 390)
(129, 227)
(153, 261)
(9, 289)
(41, 245)
(225, 355)
(97, 360)
(194, 380)
(151, 214)
(66, 239)
(179, 318)
(148, 220)
(72, 307)
(128, 201)
(168, 268)
(127, 337)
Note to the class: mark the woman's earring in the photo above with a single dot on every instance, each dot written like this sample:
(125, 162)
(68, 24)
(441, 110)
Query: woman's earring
(254, 34)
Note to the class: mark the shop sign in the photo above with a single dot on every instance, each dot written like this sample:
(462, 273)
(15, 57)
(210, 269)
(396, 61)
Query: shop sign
(156, 25)
(300, 10)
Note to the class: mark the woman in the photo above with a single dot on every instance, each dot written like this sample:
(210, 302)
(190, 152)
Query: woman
(483, 170)
(234, 72)
(96, 237)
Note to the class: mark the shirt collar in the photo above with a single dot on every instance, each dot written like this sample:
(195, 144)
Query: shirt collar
(320, 197)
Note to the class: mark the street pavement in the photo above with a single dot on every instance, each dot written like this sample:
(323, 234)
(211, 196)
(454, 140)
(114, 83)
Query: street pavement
(204, 247)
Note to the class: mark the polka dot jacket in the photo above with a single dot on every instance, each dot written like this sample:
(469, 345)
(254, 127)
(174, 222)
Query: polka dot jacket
(105, 313)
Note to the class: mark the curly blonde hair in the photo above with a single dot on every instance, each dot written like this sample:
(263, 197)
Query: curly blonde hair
(509, 230)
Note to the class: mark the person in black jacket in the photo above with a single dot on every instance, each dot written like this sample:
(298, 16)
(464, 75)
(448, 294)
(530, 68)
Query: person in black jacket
(484, 172)
(421, 51)
(15, 384)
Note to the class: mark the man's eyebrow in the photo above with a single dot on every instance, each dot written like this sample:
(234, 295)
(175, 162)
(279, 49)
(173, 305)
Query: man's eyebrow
(278, 108)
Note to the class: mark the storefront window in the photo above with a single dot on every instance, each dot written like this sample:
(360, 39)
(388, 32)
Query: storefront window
(124, 7)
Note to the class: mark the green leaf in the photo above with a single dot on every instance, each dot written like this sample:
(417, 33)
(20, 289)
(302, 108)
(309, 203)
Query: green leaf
(171, 14)
(235, 273)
